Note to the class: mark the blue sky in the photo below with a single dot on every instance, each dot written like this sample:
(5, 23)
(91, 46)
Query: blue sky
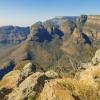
(26, 12)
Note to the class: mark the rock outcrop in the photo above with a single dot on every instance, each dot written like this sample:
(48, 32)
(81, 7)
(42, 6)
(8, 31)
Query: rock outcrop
(32, 84)
(96, 58)
(10, 80)
(39, 33)
(25, 72)
(51, 74)
(93, 19)
(67, 28)
(53, 90)
(49, 86)
(48, 29)
(91, 26)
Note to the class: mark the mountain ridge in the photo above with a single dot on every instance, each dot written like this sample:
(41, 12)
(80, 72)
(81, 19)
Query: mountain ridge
(68, 35)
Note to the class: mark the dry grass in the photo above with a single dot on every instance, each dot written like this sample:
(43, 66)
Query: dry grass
(87, 87)
(82, 90)
(9, 80)
(21, 64)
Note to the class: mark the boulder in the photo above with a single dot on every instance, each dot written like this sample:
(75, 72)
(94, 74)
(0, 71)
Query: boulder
(10, 79)
(55, 91)
(26, 71)
(96, 58)
(33, 84)
(91, 75)
(52, 74)
(29, 68)
(7, 84)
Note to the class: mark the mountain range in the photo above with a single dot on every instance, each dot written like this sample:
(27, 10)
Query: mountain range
(71, 35)
(54, 55)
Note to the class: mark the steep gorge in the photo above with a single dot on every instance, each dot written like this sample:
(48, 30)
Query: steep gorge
(73, 36)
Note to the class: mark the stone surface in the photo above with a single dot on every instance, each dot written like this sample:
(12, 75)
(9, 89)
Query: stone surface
(91, 75)
(26, 71)
(55, 91)
(52, 74)
(96, 58)
(10, 80)
(31, 84)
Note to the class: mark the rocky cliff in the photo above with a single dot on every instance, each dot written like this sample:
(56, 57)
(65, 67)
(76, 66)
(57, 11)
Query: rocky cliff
(53, 41)
(92, 26)
(85, 33)
(61, 26)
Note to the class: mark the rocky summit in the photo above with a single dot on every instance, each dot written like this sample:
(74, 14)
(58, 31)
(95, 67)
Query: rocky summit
(51, 86)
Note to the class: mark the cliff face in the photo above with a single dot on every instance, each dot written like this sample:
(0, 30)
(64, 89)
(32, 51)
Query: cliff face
(61, 34)
(92, 26)
(60, 27)
(93, 19)
(86, 32)
(65, 27)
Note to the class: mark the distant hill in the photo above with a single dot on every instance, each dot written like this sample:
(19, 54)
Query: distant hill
(13, 34)
(60, 19)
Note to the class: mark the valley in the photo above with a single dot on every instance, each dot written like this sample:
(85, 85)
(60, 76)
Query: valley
(60, 55)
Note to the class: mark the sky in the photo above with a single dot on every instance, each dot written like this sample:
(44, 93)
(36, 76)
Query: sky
(27, 12)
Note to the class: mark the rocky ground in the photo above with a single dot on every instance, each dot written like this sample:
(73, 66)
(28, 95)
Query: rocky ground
(30, 84)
